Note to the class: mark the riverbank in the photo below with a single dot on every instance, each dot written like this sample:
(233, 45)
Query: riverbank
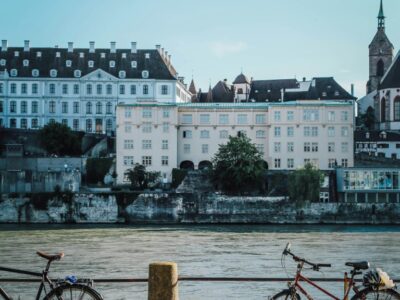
(186, 208)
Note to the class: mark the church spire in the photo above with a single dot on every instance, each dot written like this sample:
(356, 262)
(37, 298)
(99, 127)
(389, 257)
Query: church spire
(381, 18)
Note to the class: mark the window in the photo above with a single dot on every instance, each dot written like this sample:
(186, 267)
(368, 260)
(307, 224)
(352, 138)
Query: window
(89, 108)
(122, 89)
(260, 119)
(277, 147)
(53, 73)
(204, 148)
(204, 119)
(128, 161)
(260, 134)
(260, 148)
(290, 163)
(146, 161)
(145, 89)
(314, 131)
(64, 122)
(241, 133)
(164, 89)
(14, 72)
(34, 88)
(307, 131)
(34, 107)
(307, 147)
(204, 134)
(65, 89)
(2, 62)
(147, 112)
(242, 119)
(223, 134)
(52, 88)
(109, 107)
(13, 123)
(13, 106)
(331, 116)
(77, 73)
(75, 124)
(165, 113)
(34, 123)
(307, 161)
(128, 112)
(133, 64)
(88, 89)
(24, 124)
(109, 89)
(186, 148)
(331, 163)
(145, 74)
(146, 144)
(223, 119)
(68, 63)
(277, 162)
(35, 73)
(165, 127)
(290, 115)
(112, 64)
(1, 107)
(187, 134)
(277, 131)
(146, 128)
(164, 144)
(128, 128)
(52, 107)
(345, 147)
(290, 147)
(64, 107)
(314, 147)
(331, 147)
(109, 125)
(133, 89)
(290, 131)
(89, 125)
(25, 63)
(331, 131)
(76, 107)
(1, 88)
(90, 63)
(187, 119)
(277, 115)
(24, 88)
(122, 74)
(164, 160)
(345, 131)
(76, 89)
(344, 116)
(310, 115)
(345, 162)
(13, 88)
(24, 107)
(99, 89)
(99, 108)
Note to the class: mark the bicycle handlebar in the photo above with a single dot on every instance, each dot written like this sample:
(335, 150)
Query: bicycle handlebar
(299, 259)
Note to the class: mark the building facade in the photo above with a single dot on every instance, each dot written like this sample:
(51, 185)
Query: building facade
(163, 136)
(82, 87)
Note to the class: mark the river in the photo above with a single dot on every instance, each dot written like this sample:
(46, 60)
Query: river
(255, 251)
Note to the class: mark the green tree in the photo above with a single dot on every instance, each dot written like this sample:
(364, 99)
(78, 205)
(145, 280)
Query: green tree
(140, 178)
(305, 183)
(57, 138)
(238, 166)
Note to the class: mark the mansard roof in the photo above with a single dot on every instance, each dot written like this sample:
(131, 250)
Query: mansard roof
(376, 136)
(151, 60)
(392, 76)
(270, 90)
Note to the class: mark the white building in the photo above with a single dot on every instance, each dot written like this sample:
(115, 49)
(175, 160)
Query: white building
(164, 136)
(81, 87)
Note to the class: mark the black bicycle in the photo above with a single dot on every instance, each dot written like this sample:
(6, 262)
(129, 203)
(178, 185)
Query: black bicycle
(69, 288)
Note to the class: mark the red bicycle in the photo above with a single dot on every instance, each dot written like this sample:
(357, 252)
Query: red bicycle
(374, 287)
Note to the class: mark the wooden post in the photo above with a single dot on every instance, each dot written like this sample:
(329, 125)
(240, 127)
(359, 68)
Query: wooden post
(163, 281)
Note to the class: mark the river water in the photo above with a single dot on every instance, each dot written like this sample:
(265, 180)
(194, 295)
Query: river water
(231, 251)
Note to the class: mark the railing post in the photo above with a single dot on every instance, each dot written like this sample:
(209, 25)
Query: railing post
(163, 281)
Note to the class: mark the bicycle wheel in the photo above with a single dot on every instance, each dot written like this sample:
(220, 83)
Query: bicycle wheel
(73, 292)
(371, 294)
(287, 295)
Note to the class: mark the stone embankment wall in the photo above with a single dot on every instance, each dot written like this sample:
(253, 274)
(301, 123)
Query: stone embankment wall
(186, 208)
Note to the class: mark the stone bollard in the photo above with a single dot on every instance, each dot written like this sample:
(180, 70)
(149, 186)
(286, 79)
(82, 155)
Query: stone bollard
(163, 281)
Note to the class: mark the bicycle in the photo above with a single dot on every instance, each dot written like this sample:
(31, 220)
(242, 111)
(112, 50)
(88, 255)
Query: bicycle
(69, 288)
(370, 291)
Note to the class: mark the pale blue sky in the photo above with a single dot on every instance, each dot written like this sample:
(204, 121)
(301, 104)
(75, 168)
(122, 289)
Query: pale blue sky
(214, 39)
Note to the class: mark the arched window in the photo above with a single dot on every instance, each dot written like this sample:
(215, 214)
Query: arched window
(396, 105)
(109, 108)
(383, 110)
(89, 125)
(89, 108)
(99, 108)
(109, 125)
(379, 68)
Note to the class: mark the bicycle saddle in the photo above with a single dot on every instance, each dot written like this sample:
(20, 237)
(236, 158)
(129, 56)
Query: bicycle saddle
(360, 265)
(49, 256)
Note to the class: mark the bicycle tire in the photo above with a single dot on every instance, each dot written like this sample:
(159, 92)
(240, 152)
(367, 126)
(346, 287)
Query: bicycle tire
(374, 294)
(84, 292)
(287, 295)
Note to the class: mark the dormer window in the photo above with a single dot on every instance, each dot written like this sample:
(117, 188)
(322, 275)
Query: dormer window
(53, 73)
(123, 55)
(91, 63)
(25, 63)
(134, 64)
(16, 53)
(112, 63)
(81, 54)
(77, 73)
(145, 74)
(68, 63)
(102, 55)
(367, 135)
(58, 54)
(38, 54)
(122, 74)
(337, 93)
(35, 72)
(383, 135)
(324, 94)
(147, 55)
(2, 62)
(13, 72)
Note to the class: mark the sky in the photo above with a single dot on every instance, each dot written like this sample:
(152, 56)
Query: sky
(211, 40)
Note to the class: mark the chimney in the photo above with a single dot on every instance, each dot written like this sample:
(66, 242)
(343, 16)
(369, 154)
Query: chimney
(169, 58)
(70, 47)
(162, 52)
(3, 45)
(158, 47)
(352, 89)
(26, 45)
(112, 48)
(133, 47)
(166, 56)
(282, 95)
(304, 79)
(91, 49)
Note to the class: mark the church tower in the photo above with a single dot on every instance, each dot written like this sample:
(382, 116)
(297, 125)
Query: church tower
(380, 54)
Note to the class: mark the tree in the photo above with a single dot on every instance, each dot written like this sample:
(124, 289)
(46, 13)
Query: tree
(305, 183)
(368, 118)
(140, 178)
(238, 166)
(57, 138)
